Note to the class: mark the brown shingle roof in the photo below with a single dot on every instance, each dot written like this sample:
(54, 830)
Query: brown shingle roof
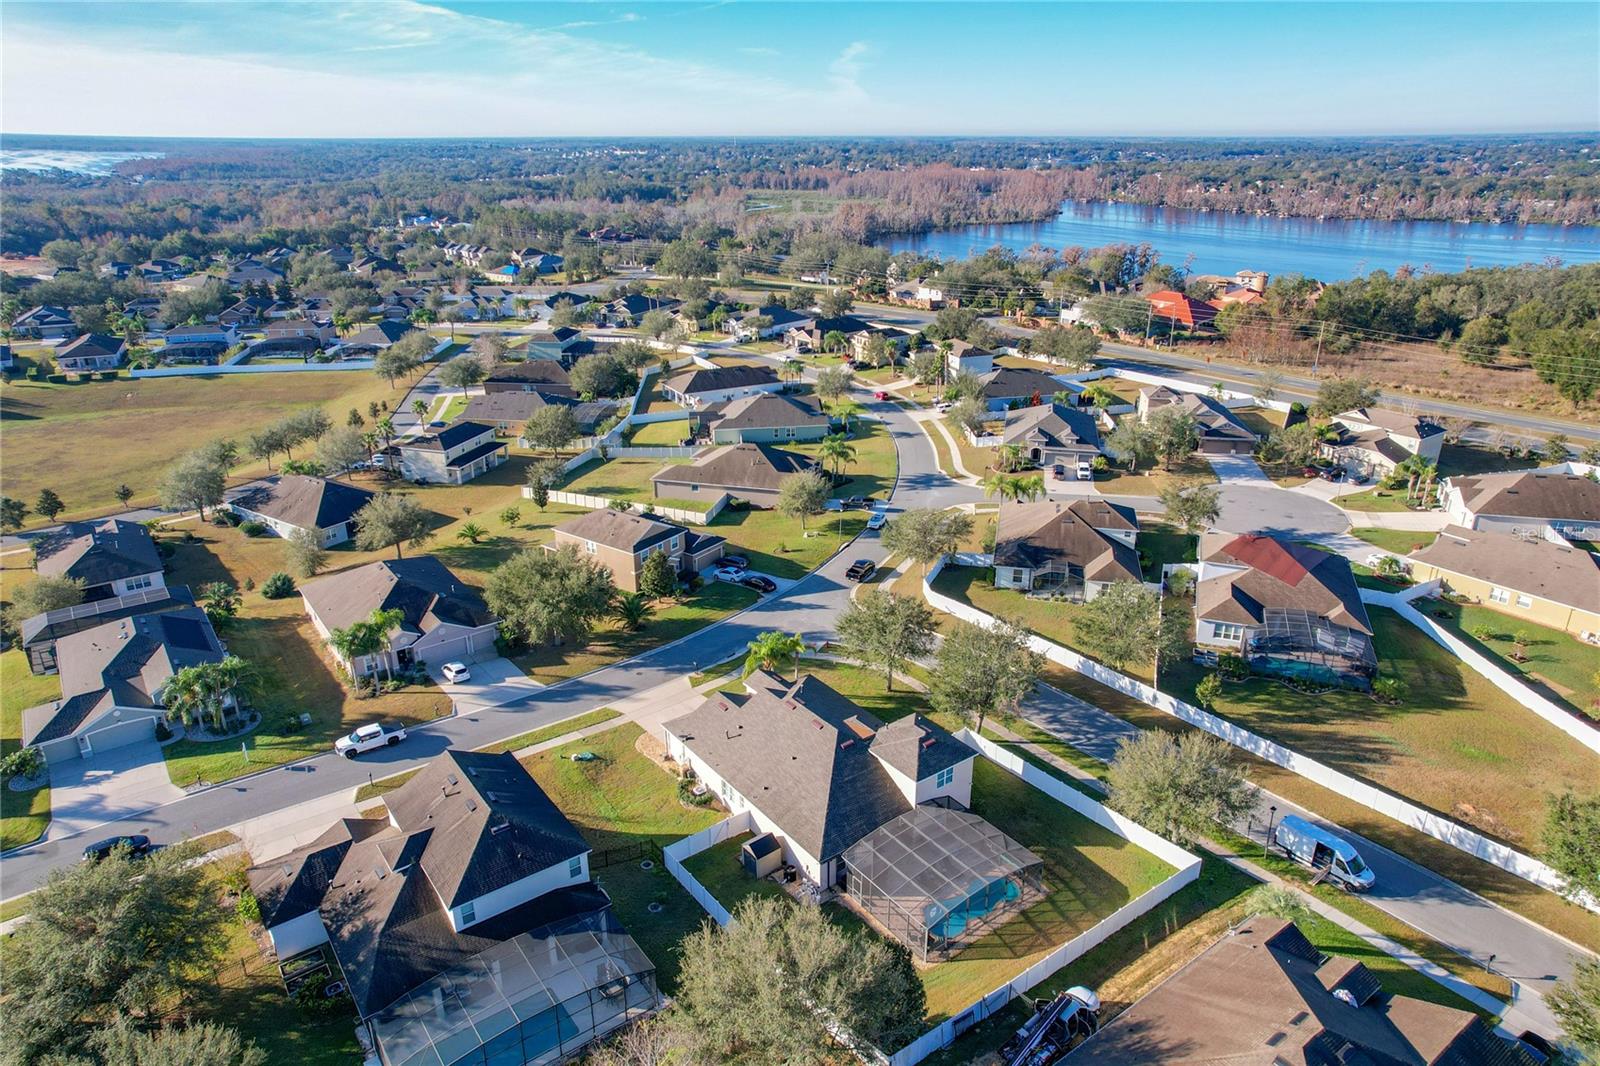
(1526, 494)
(422, 588)
(97, 553)
(1543, 568)
(622, 530)
(1052, 425)
(1278, 574)
(738, 466)
(1036, 535)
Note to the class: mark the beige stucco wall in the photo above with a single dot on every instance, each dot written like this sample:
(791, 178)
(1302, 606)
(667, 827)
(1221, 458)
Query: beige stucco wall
(1542, 611)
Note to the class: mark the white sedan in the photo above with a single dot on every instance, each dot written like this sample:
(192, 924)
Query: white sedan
(456, 672)
(728, 573)
(877, 520)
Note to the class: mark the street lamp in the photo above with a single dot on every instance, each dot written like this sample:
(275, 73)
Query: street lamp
(1272, 813)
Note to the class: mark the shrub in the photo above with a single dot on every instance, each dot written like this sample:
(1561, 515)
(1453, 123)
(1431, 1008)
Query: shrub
(249, 584)
(278, 586)
(1483, 633)
(686, 793)
(57, 379)
(163, 731)
(24, 762)
(1232, 667)
(248, 909)
(1100, 465)
(312, 997)
(252, 528)
(1207, 691)
(1389, 690)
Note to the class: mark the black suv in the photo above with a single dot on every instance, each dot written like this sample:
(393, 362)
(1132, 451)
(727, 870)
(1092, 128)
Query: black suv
(138, 844)
(861, 569)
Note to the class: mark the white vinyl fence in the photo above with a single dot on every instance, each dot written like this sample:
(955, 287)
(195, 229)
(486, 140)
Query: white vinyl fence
(1369, 796)
(596, 503)
(674, 854)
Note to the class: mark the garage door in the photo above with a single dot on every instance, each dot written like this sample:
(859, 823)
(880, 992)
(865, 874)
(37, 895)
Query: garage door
(116, 736)
(455, 649)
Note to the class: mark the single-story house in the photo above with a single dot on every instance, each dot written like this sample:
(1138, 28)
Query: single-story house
(509, 411)
(1264, 994)
(813, 336)
(621, 541)
(702, 386)
(783, 320)
(442, 619)
(752, 472)
(1545, 581)
(1372, 441)
(1053, 434)
(46, 322)
(813, 768)
(765, 419)
(40, 633)
(628, 310)
(1547, 503)
(92, 351)
(111, 556)
(296, 328)
(161, 269)
(454, 455)
(968, 358)
(470, 898)
(1071, 550)
(369, 265)
(1286, 608)
(375, 338)
(285, 503)
(1010, 386)
(216, 333)
(530, 375)
(250, 272)
(112, 676)
(1219, 429)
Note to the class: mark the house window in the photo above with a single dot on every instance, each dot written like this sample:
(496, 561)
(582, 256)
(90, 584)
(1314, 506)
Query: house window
(945, 777)
(1499, 596)
(143, 581)
(1227, 631)
(575, 867)
(1524, 600)
(469, 914)
(588, 546)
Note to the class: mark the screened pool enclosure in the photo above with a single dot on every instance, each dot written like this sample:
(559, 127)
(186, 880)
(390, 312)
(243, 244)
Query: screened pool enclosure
(532, 999)
(936, 878)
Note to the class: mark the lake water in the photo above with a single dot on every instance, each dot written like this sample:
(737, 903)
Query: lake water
(1222, 242)
(91, 164)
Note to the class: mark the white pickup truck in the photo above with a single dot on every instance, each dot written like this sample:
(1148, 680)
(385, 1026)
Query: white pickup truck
(368, 738)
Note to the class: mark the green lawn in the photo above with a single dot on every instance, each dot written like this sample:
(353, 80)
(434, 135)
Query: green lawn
(1160, 545)
(1389, 501)
(1398, 541)
(24, 816)
(621, 799)
(1456, 744)
(452, 408)
(550, 732)
(715, 601)
(621, 479)
(1558, 664)
(1149, 481)
(777, 545)
(659, 434)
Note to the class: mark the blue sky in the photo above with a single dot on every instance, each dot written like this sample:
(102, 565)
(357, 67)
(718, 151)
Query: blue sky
(387, 68)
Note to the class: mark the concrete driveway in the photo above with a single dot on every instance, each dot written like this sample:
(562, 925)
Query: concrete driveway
(1238, 470)
(107, 786)
(494, 682)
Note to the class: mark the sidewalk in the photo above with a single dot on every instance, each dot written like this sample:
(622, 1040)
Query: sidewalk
(1422, 521)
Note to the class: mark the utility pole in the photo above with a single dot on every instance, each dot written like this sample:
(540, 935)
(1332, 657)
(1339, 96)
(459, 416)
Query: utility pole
(1149, 316)
(1316, 362)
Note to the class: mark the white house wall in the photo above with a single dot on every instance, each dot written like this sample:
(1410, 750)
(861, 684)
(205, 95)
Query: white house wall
(519, 892)
(125, 586)
(959, 788)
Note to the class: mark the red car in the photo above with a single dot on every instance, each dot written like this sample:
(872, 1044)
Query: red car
(880, 395)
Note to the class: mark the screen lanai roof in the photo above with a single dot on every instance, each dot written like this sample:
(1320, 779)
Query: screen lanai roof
(930, 859)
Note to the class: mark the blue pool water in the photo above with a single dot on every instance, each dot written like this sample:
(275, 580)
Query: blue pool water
(962, 913)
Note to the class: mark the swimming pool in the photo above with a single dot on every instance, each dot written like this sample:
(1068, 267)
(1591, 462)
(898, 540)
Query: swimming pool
(959, 914)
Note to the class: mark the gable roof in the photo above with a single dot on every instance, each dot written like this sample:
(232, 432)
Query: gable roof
(769, 410)
(1277, 575)
(1212, 419)
(307, 502)
(458, 432)
(1052, 425)
(846, 324)
(97, 553)
(781, 316)
(805, 756)
(1394, 421)
(546, 372)
(715, 379)
(425, 592)
(91, 345)
(1264, 994)
(622, 530)
(381, 334)
(1011, 382)
(1556, 572)
(738, 466)
(1169, 303)
(1037, 535)
(121, 663)
(1529, 494)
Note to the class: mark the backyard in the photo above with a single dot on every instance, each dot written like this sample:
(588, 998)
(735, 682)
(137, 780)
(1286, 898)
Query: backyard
(1398, 541)
(1555, 662)
(24, 816)
(659, 434)
(165, 416)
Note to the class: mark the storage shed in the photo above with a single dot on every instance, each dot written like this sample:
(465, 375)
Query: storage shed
(761, 855)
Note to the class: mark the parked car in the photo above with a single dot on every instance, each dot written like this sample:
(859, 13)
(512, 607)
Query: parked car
(759, 583)
(728, 573)
(861, 569)
(735, 560)
(857, 503)
(878, 520)
(1058, 472)
(137, 845)
(456, 672)
(1318, 849)
(1310, 471)
(880, 395)
(1331, 473)
(369, 738)
(942, 406)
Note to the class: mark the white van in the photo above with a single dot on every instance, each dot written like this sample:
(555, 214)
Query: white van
(1315, 847)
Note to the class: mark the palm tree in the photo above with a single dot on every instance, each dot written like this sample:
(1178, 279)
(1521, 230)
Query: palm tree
(471, 532)
(1030, 488)
(793, 368)
(774, 650)
(370, 439)
(837, 452)
(420, 409)
(384, 427)
(631, 610)
(357, 641)
(195, 691)
(385, 623)
(834, 341)
(1011, 459)
(1005, 486)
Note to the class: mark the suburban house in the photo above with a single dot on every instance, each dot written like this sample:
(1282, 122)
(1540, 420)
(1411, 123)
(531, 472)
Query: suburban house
(751, 472)
(1053, 434)
(111, 556)
(814, 336)
(509, 411)
(813, 768)
(1548, 503)
(299, 328)
(628, 310)
(1010, 386)
(557, 344)
(250, 272)
(1546, 581)
(621, 541)
(1289, 610)
(1219, 429)
(214, 333)
(246, 312)
(1180, 310)
(1372, 441)
(92, 351)
(454, 455)
(285, 503)
(46, 322)
(898, 340)
(702, 385)
(531, 375)
(375, 338)
(161, 270)
(442, 619)
(370, 265)
(464, 922)
(968, 358)
(765, 419)
(783, 320)
(1070, 550)
(1265, 994)
(112, 676)
(40, 633)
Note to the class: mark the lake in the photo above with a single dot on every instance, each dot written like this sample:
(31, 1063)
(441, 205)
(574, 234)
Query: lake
(1223, 242)
(71, 161)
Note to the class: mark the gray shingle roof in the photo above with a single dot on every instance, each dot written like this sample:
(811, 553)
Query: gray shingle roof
(722, 377)
(1526, 494)
(1051, 425)
(738, 466)
(1278, 574)
(98, 552)
(1556, 572)
(422, 588)
(1010, 383)
(766, 411)
(307, 502)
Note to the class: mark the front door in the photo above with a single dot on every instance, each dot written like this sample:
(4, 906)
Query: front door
(405, 658)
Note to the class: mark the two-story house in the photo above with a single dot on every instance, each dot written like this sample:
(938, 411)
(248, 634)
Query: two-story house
(454, 455)
(112, 557)
(1069, 550)
(622, 541)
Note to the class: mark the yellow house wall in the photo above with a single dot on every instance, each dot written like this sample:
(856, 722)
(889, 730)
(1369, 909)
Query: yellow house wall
(1543, 611)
